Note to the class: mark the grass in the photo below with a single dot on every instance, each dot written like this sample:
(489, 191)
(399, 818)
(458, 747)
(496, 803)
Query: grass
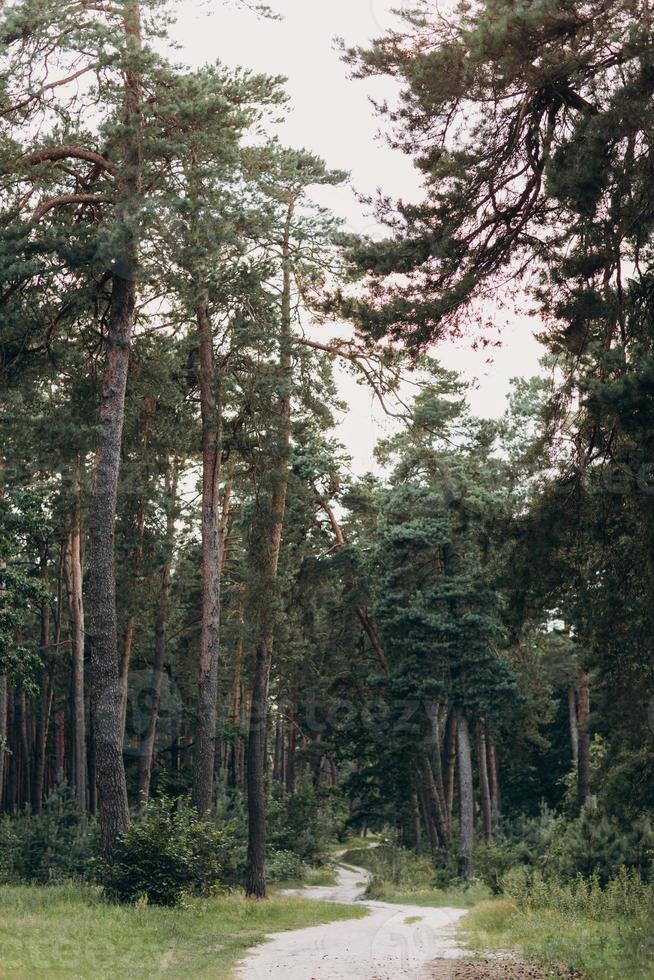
(601, 949)
(324, 876)
(399, 877)
(351, 843)
(68, 931)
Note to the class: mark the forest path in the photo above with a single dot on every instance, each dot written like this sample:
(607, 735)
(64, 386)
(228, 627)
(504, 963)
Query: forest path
(394, 942)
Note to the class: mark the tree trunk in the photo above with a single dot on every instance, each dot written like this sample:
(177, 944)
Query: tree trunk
(574, 726)
(583, 770)
(466, 795)
(417, 824)
(291, 747)
(484, 782)
(450, 764)
(430, 824)
(73, 568)
(147, 746)
(207, 705)
(101, 602)
(493, 776)
(433, 801)
(255, 882)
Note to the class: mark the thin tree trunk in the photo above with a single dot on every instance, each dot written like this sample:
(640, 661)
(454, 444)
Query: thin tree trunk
(292, 745)
(417, 824)
(148, 743)
(255, 880)
(583, 771)
(466, 795)
(207, 705)
(574, 726)
(450, 763)
(493, 776)
(128, 642)
(484, 782)
(73, 567)
(101, 602)
(430, 823)
(434, 802)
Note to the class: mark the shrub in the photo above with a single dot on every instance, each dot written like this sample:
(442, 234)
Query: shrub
(284, 866)
(50, 847)
(306, 821)
(165, 854)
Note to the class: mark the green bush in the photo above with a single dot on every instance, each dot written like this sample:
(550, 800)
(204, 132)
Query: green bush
(50, 847)
(561, 849)
(165, 854)
(284, 866)
(306, 821)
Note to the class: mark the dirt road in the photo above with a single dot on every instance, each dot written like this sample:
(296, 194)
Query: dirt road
(394, 942)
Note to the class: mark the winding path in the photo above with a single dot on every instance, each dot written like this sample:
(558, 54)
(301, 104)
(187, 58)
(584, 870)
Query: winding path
(394, 942)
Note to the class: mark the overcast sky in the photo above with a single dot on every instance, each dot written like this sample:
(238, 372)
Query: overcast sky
(331, 115)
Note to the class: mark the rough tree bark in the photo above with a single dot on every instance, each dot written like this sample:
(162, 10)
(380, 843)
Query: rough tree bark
(101, 596)
(255, 879)
(204, 749)
(466, 795)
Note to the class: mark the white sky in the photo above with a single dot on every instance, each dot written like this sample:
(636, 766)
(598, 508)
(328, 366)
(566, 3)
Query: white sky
(331, 115)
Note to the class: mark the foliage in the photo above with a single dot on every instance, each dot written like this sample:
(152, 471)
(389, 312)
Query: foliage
(49, 847)
(307, 821)
(165, 854)
(284, 866)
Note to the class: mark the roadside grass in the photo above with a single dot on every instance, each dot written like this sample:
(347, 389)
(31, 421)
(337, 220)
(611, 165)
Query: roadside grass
(69, 931)
(454, 898)
(325, 876)
(620, 948)
(399, 877)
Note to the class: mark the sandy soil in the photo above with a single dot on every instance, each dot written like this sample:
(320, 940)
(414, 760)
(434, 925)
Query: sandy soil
(494, 970)
(394, 942)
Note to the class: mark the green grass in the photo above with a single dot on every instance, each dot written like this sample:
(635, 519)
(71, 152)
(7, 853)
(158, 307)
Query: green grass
(315, 876)
(70, 932)
(454, 898)
(398, 876)
(601, 949)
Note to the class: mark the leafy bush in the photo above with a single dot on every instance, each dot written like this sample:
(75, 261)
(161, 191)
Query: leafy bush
(165, 854)
(284, 866)
(306, 821)
(47, 848)
(592, 844)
